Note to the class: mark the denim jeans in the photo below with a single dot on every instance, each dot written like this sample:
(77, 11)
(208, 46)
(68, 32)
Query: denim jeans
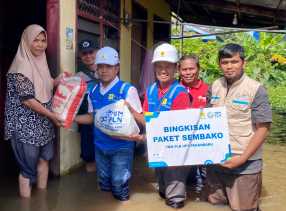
(114, 170)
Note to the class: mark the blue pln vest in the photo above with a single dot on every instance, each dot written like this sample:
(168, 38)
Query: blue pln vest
(117, 92)
(165, 103)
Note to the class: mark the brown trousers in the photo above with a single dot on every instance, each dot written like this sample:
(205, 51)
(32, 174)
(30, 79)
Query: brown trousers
(240, 191)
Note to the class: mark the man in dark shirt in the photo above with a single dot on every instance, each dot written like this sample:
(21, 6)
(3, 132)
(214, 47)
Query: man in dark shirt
(87, 71)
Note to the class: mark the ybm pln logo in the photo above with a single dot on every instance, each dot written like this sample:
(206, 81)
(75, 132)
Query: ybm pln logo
(112, 117)
(210, 115)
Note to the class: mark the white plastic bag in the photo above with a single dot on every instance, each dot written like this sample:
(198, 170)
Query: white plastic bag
(116, 120)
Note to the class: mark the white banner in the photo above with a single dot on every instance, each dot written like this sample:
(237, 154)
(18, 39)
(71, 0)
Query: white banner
(187, 137)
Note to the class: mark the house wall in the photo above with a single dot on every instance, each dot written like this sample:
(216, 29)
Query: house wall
(125, 43)
(69, 150)
(159, 8)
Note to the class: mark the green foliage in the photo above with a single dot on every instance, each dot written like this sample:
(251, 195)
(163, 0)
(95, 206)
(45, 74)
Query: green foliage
(207, 52)
(277, 97)
(259, 58)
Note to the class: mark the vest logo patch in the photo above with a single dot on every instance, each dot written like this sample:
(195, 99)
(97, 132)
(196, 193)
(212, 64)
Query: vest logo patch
(242, 102)
(164, 101)
(110, 96)
(214, 99)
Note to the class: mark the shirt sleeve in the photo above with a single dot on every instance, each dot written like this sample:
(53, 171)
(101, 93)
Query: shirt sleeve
(133, 99)
(182, 101)
(261, 109)
(90, 107)
(24, 87)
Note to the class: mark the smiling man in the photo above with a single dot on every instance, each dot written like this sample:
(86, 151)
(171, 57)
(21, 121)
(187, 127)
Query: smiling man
(189, 70)
(114, 156)
(164, 95)
(238, 181)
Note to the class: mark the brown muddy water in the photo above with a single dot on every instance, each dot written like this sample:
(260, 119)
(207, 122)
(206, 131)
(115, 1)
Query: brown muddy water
(78, 191)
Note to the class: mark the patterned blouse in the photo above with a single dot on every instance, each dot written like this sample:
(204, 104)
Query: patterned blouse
(22, 123)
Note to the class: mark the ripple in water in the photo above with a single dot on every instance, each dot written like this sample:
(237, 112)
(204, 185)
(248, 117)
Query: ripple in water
(278, 129)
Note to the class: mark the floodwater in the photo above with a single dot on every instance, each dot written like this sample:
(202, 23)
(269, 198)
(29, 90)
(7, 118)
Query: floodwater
(278, 130)
(78, 191)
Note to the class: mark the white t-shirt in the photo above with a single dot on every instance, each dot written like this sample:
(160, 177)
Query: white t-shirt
(132, 96)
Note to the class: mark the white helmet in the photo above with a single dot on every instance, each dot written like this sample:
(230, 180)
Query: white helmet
(165, 53)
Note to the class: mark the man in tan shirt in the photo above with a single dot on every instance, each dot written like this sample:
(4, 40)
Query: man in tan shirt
(238, 181)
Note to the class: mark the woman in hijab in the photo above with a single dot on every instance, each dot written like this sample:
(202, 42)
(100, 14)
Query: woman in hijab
(28, 116)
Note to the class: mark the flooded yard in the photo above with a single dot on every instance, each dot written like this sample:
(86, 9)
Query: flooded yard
(278, 130)
(79, 192)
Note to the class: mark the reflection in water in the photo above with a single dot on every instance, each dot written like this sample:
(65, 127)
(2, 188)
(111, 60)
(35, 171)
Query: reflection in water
(278, 130)
(79, 192)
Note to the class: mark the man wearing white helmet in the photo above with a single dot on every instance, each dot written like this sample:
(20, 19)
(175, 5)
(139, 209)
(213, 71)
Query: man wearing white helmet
(164, 95)
(113, 156)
